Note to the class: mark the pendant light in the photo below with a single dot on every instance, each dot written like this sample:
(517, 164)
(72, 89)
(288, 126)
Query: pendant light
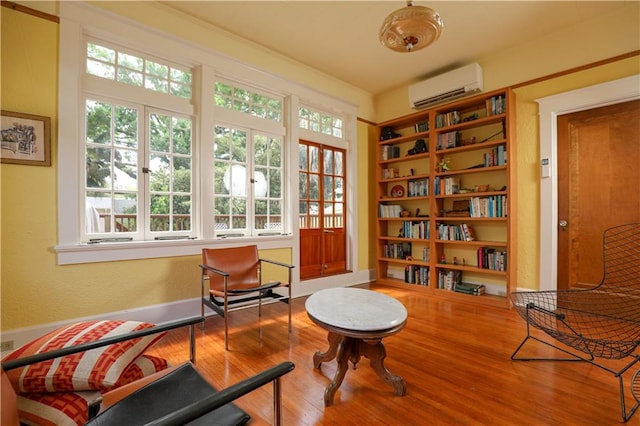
(411, 28)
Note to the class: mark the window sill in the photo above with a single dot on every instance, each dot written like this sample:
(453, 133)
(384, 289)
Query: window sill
(131, 250)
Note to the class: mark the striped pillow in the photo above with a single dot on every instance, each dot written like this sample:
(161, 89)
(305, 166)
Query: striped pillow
(97, 369)
(72, 408)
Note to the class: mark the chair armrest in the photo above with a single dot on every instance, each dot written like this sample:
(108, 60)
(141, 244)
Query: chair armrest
(214, 270)
(225, 396)
(21, 362)
(275, 262)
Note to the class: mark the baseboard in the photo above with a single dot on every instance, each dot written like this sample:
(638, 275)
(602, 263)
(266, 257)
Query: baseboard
(177, 310)
(153, 314)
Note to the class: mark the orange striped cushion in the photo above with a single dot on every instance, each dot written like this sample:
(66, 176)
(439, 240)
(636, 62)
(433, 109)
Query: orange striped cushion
(56, 408)
(72, 408)
(97, 369)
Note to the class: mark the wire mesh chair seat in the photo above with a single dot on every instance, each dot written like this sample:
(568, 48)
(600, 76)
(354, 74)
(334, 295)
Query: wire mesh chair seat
(601, 322)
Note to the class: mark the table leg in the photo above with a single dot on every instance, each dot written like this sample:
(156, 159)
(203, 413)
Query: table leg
(320, 357)
(375, 351)
(345, 351)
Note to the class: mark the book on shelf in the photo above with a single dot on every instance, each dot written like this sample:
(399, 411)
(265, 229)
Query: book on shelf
(397, 250)
(496, 157)
(390, 151)
(426, 254)
(390, 173)
(448, 119)
(459, 232)
(389, 210)
(450, 185)
(414, 274)
(448, 278)
(415, 229)
(496, 105)
(418, 187)
(422, 127)
(491, 206)
(468, 288)
(490, 258)
(448, 140)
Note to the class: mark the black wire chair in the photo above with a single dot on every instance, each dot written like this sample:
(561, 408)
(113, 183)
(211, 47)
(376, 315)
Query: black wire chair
(601, 322)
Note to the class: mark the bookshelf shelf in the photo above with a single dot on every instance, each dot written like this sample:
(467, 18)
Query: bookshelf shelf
(462, 183)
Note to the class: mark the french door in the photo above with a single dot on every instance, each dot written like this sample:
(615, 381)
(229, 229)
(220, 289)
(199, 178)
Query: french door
(322, 208)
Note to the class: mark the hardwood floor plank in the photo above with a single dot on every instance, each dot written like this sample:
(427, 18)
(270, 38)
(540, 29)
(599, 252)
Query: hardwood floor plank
(455, 358)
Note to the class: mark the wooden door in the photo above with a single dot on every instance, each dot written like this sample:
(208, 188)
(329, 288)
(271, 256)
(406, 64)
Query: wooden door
(598, 186)
(322, 210)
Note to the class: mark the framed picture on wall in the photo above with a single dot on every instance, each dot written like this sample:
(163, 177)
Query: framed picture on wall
(26, 139)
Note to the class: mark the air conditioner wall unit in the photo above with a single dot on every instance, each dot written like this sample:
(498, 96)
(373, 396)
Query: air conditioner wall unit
(446, 87)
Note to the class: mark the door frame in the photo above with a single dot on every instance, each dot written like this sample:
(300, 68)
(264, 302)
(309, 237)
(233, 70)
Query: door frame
(612, 92)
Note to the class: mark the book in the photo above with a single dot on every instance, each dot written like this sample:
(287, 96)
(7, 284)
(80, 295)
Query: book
(468, 288)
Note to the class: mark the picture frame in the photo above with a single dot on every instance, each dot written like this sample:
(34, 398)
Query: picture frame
(25, 139)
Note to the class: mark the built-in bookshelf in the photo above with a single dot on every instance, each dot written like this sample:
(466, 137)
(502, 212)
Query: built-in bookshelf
(446, 218)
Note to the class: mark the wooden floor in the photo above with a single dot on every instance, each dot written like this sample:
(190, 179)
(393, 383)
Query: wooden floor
(455, 358)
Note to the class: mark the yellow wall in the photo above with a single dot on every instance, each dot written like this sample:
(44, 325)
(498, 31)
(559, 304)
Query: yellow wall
(37, 291)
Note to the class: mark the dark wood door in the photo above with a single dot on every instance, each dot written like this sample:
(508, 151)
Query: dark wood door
(322, 210)
(598, 186)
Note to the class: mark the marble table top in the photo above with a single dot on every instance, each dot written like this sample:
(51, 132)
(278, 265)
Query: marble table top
(356, 309)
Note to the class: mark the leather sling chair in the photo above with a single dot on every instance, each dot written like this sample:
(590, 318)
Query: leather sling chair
(231, 276)
(159, 398)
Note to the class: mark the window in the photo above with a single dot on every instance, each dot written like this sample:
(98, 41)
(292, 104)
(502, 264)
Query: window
(136, 70)
(120, 201)
(138, 174)
(246, 101)
(320, 122)
(248, 164)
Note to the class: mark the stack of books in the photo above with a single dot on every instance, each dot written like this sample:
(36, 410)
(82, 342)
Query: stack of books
(468, 288)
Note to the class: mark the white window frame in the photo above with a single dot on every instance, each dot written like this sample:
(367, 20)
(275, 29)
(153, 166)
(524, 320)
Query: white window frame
(80, 20)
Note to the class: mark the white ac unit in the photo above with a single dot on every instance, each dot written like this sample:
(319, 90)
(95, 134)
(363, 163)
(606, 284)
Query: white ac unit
(446, 87)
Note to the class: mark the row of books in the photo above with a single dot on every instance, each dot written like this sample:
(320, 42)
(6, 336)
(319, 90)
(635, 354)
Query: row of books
(418, 187)
(389, 210)
(459, 232)
(414, 274)
(390, 151)
(390, 173)
(448, 140)
(496, 157)
(397, 250)
(489, 258)
(448, 119)
(448, 278)
(421, 127)
(417, 229)
(447, 186)
(496, 105)
(492, 206)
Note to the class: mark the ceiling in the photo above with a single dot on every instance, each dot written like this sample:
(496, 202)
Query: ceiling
(340, 38)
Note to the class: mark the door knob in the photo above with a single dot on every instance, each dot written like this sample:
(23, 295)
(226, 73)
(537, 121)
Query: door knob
(563, 224)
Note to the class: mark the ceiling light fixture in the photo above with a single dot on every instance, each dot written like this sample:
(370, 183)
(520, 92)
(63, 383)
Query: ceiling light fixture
(411, 28)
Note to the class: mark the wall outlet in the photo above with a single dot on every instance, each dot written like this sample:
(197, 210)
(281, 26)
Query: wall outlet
(6, 346)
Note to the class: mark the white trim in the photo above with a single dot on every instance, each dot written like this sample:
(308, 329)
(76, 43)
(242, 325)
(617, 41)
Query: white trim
(612, 92)
(107, 252)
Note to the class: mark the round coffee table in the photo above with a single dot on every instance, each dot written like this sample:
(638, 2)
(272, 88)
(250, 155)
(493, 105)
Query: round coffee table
(357, 320)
